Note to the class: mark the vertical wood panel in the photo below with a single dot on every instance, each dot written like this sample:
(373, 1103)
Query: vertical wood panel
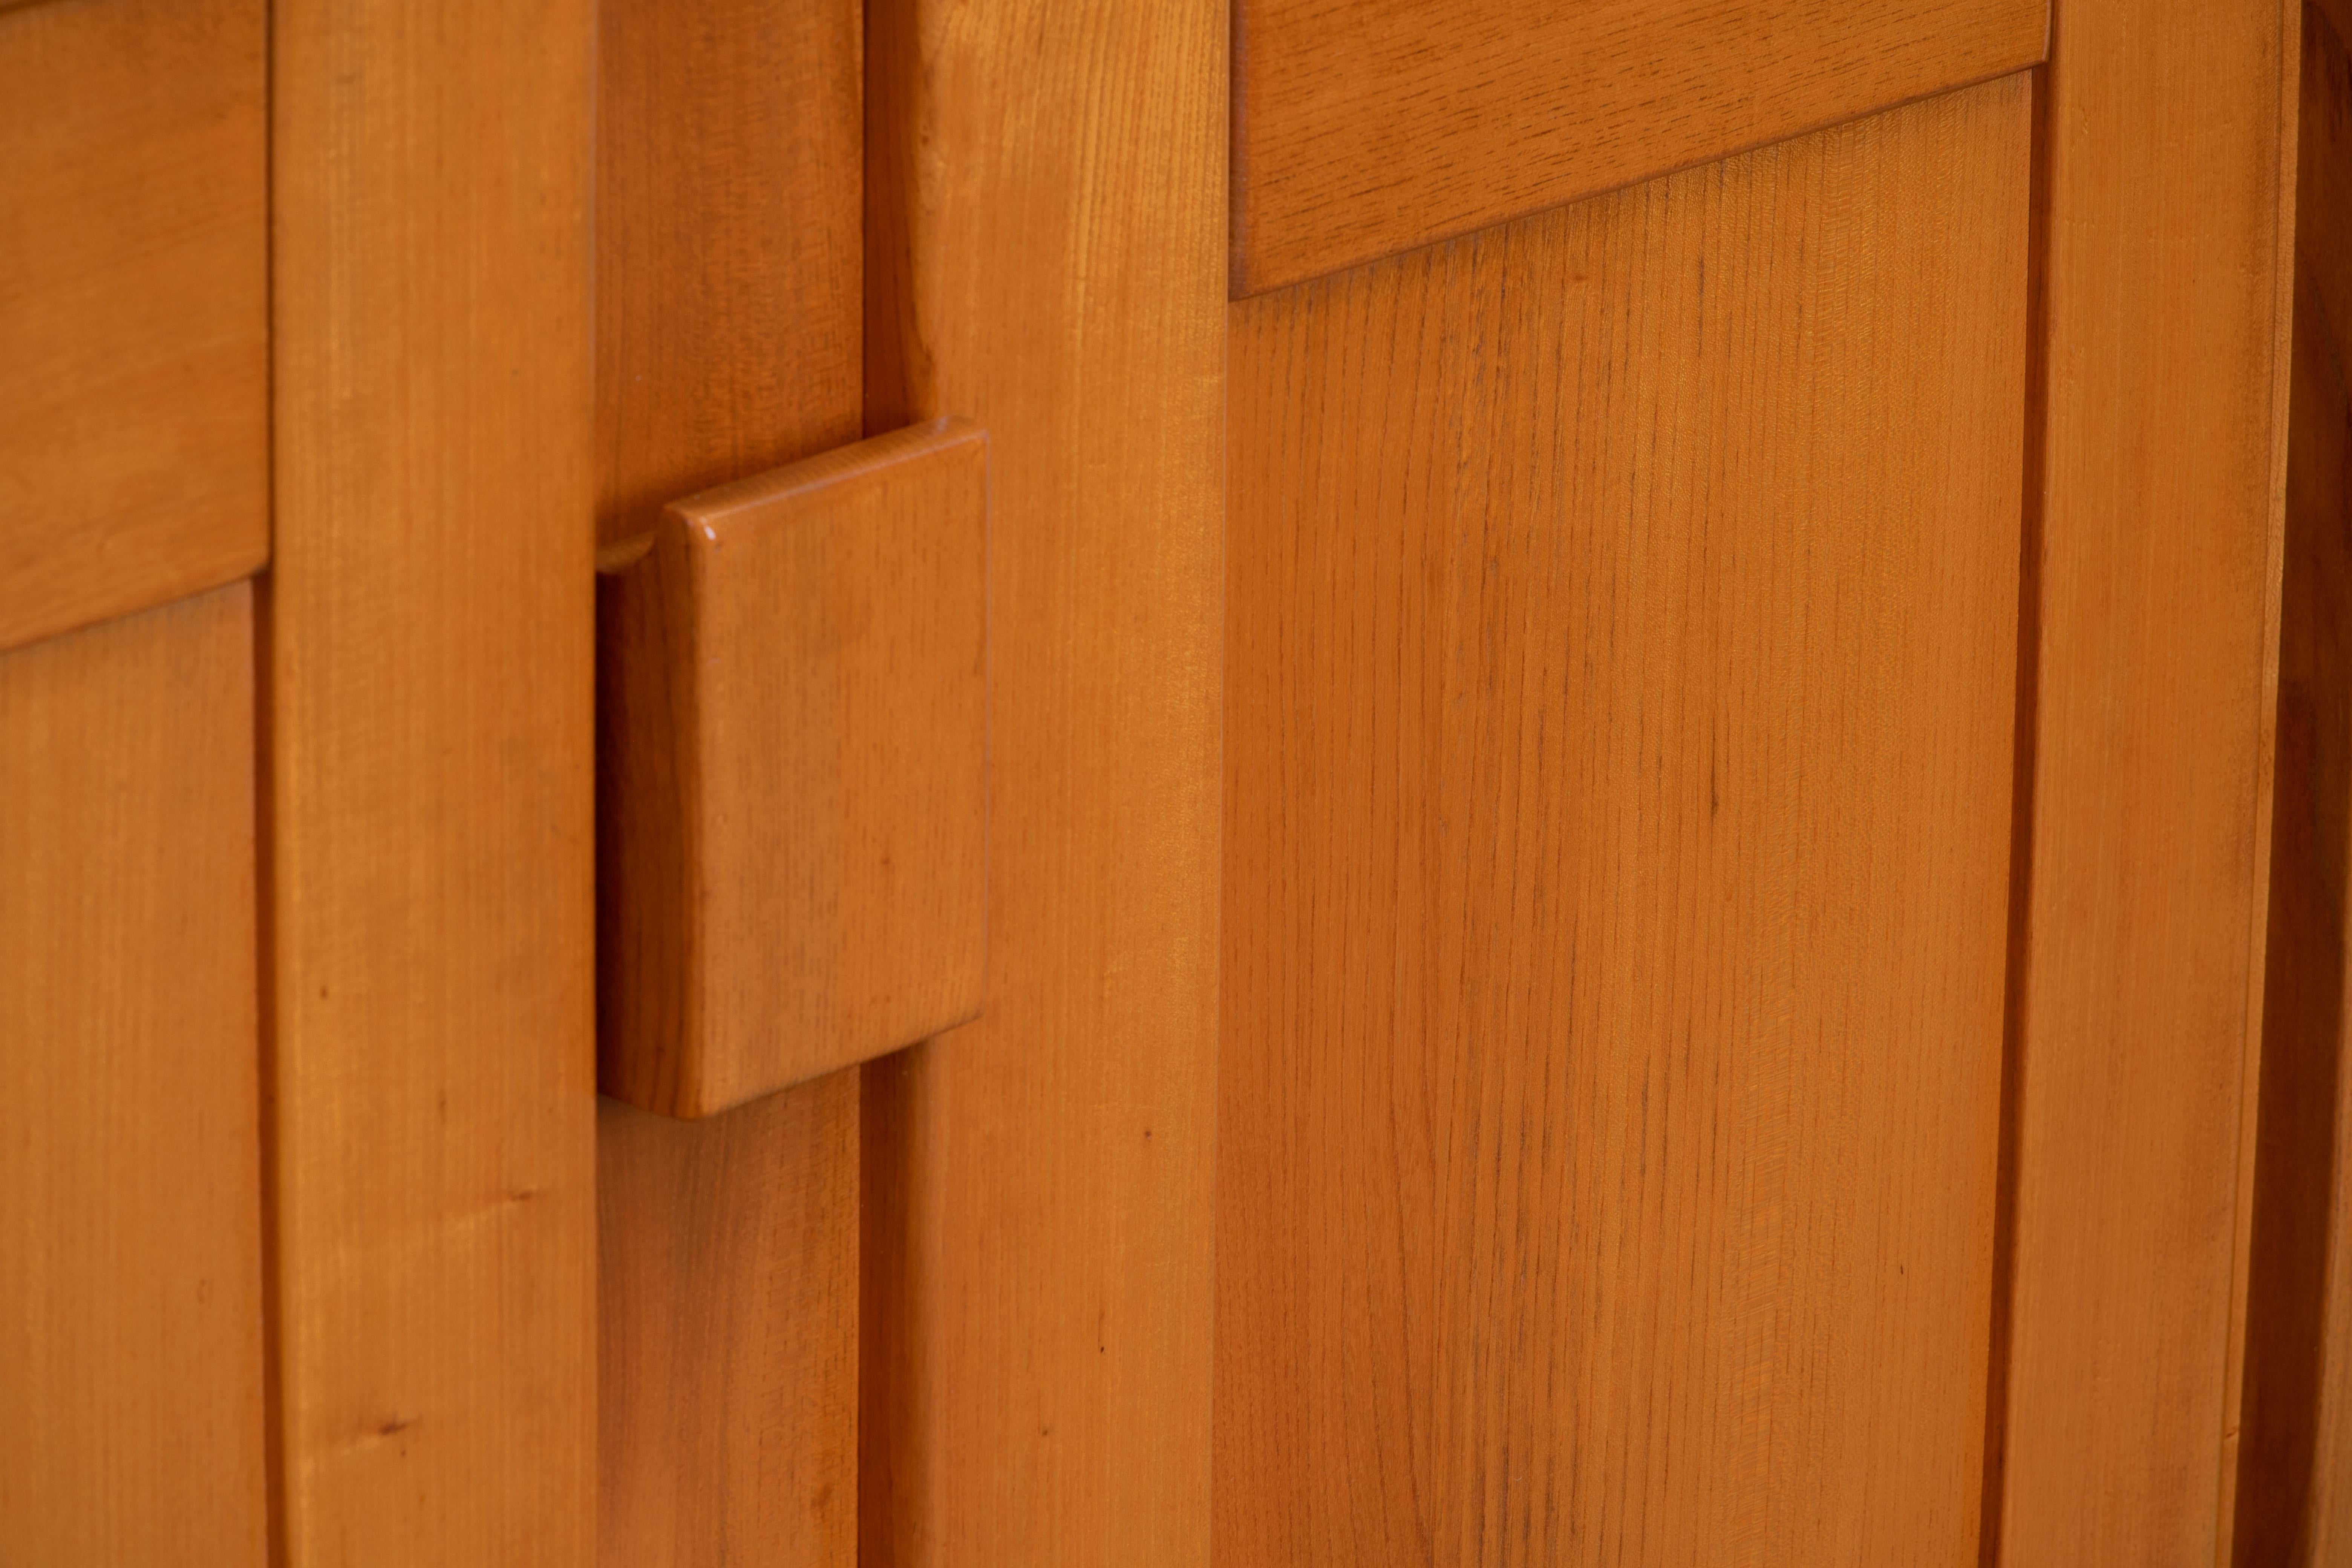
(430, 767)
(1047, 257)
(2294, 1465)
(1621, 636)
(729, 245)
(2163, 440)
(729, 266)
(130, 1146)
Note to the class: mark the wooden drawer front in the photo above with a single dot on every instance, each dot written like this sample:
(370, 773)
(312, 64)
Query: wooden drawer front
(134, 438)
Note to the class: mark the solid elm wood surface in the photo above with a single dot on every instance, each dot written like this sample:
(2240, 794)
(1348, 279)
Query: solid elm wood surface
(728, 1378)
(1049, 185)
(729, 254)
(134, 409)
(729, 181)
(131, 1170)
(1621, 624)
(1362, 128)
(2162, 440)
(430, 746)
(2294, 1462)
(791, 813)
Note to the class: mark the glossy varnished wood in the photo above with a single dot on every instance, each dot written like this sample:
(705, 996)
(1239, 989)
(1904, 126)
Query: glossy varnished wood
(2294, 1488)
(430, 744)
(134, 401)
(729, 1377)
(1364, 129)
(1621, 627)
(728, 245)
(130, 1162)
(793, 705)
(2161, 435)
(1048, 260)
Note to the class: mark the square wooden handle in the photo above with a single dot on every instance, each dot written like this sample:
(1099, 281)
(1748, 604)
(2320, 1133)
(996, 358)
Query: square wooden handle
(790, 811)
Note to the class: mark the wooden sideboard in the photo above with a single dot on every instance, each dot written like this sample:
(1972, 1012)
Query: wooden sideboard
(1628, 728)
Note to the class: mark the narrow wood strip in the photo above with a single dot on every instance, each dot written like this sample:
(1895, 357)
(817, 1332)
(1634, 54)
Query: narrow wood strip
(729, 1370)
(1362, 128)
(134, 406)
(131, 1169)
(2295, 1463)
(2035, 461)
(1048, 261)
(729, 251)
(430, 772)
(2164, 438)
(729, 266)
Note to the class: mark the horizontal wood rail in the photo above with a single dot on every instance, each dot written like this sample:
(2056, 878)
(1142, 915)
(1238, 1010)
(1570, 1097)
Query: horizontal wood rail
(134, 409)
(1362, 128)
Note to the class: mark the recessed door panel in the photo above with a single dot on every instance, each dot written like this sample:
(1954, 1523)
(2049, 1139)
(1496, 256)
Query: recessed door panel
(1621, 684)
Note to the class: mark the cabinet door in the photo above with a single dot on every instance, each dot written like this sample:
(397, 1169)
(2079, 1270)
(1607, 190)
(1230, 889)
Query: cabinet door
(133, 503)
(1746, 715)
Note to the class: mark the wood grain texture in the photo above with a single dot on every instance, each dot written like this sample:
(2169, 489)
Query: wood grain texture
(792, 812)
(1048, 186)
(1621, 628)
(2293, 1506)
(730, 184)
(2162, 432)
(729, 1400)
(134, 411)
(1362, 128)
(729, 252)
(131, 1166)
(2338, 15)
(431, 762)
